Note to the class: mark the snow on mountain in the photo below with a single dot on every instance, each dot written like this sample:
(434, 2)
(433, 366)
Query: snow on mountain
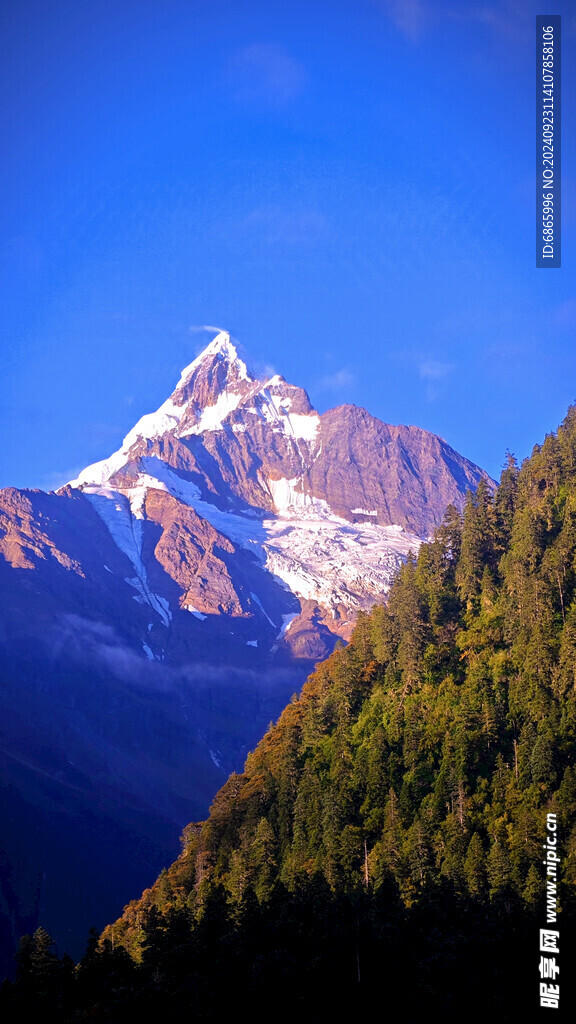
(317, 554)
(169, 416)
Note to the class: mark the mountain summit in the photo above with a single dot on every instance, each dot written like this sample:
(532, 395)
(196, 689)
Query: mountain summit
(162, 608)
(291, 456)
(209, 388)
(330, 505)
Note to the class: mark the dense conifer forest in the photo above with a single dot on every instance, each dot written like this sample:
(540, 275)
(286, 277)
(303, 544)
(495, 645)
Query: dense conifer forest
(384, 845)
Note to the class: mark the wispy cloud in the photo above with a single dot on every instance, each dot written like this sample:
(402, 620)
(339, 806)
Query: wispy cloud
(339, 380)
(504, 20)
(434, 369)
(409, 16)
(99, 645)
(264, 72)
(276, 224)
(197, 328)
(434, 373)
(508, 21)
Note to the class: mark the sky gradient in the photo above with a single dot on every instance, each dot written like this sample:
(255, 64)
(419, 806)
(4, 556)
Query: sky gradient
(347, 186)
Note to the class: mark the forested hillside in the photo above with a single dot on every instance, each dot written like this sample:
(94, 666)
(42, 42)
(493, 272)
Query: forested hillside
(385, 840)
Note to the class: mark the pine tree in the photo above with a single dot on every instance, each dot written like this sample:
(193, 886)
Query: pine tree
(475, 868)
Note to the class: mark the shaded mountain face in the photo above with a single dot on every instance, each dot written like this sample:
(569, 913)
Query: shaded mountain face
(160, 609)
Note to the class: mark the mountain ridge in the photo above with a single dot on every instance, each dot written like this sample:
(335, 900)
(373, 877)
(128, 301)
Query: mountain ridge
(214, 391)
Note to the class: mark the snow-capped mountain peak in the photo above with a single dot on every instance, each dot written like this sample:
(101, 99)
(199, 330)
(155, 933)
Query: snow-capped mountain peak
(220, 347)
(330, 505)
(211, 388)
(219, 356)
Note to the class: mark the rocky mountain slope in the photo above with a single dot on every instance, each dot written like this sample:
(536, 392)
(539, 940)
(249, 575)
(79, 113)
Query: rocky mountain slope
(160, 609)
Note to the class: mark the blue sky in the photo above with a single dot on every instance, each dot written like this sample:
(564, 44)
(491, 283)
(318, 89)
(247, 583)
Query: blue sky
(345, 185)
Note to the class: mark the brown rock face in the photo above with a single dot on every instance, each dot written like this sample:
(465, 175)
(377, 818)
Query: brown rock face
(407, 475)
(188, 552)
(208, 381)
(313, 632)
(26, 535)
